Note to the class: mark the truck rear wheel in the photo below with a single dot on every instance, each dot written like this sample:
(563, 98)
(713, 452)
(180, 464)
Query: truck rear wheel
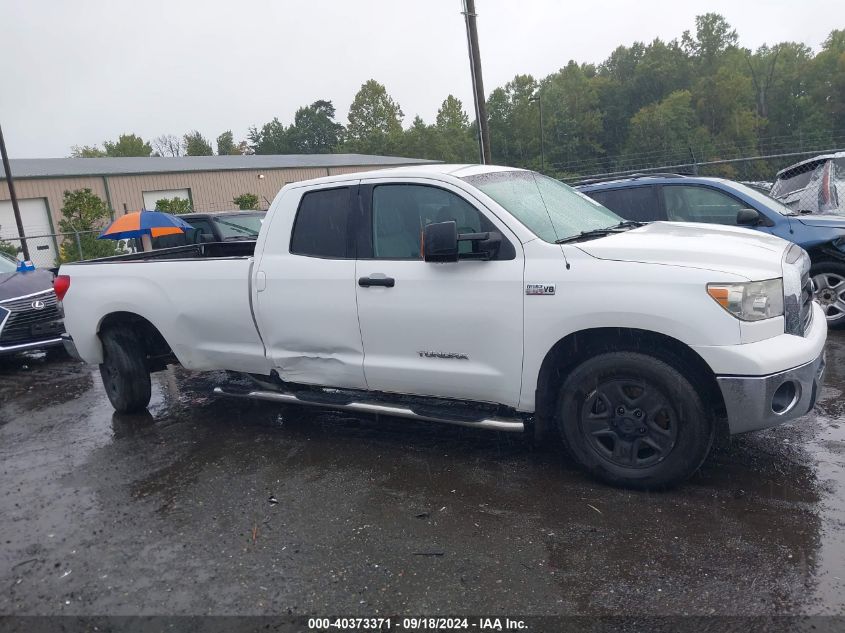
(634, 421)
(124, 371)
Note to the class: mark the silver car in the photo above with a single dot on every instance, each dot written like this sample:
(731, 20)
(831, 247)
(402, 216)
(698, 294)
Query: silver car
(815, 185)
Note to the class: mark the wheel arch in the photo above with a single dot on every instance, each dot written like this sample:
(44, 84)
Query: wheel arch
(158, 350)
(573, 349)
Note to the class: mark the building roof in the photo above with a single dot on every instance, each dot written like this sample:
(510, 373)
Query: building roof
(62, 167)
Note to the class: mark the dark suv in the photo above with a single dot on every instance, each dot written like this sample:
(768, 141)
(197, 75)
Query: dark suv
(676, 198)
(30, 317)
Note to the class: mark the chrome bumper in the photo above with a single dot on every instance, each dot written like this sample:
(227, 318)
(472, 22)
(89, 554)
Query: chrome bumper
(70, 348)
(23, 347)
(759, 402)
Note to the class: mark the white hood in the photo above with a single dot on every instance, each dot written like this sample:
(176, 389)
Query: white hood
(751, 254)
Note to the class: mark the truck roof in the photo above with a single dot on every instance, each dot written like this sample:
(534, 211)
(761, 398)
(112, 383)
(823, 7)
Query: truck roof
(422, 171)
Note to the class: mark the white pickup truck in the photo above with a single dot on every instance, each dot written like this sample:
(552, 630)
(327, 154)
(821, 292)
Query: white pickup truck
(484, 296)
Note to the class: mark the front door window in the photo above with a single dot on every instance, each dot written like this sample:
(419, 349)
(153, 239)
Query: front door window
(690, 203)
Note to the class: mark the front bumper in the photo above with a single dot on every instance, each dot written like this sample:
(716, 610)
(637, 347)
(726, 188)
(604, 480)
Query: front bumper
(759, 402)
(23, 347)
(70, 346)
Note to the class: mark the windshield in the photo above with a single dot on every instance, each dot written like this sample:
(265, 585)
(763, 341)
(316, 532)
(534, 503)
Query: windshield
(764, 199)
(550, 209)
(244, 226)
(7, 265)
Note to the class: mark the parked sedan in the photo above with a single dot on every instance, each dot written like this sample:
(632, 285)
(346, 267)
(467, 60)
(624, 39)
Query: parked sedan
(673, 197)
(30, 317)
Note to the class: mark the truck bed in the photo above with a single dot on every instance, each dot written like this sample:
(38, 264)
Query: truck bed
(196, 296)
(211, 250)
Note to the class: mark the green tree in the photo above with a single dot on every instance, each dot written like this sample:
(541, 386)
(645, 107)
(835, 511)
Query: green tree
(572, 121)
(176, 206)
(196, 144)
(128, 145)
(84, 214)
(9, 249)
(713, 38)
(455, 143)
(420, 141)
(375, 121)
(789, 110)
(513, 121)
(226, 144)
(314, 130)
(272, 138)
(669, 127)
(86, 151)
(246, 201)
(828, 79)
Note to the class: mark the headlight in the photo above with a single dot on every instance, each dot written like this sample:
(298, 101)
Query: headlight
(751, 301)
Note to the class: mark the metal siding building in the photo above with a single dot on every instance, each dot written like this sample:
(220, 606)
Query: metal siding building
(210, 181)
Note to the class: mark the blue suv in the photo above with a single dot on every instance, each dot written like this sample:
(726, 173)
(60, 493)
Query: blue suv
(676, 198)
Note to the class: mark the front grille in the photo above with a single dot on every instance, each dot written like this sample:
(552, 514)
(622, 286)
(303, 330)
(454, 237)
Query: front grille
(26, 324)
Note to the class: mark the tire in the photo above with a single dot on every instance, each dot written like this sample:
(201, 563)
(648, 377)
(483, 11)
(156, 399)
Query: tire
(829, 280)
(634, 421)
(124, 371)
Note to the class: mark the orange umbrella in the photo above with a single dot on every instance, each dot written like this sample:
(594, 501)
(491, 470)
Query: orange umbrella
(141, 223)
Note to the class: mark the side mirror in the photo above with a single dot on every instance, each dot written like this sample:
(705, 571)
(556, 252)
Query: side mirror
(747, 217)
(206, 238)
(440, 242)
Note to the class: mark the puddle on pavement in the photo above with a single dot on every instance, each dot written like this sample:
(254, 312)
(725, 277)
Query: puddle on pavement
(758, 530)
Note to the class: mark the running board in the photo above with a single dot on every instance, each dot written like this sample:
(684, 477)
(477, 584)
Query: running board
(511, 425)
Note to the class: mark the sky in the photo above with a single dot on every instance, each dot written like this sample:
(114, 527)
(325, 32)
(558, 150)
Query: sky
(83, 71)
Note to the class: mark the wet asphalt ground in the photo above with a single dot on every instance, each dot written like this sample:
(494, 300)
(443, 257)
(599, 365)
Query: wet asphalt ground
(215, 506)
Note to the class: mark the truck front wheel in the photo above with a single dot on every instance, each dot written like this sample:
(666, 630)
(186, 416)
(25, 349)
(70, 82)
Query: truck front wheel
(829, 283)
(633, 420)
(126, 377)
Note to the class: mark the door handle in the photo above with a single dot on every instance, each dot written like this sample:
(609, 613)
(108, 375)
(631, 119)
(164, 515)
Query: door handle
(366, 282)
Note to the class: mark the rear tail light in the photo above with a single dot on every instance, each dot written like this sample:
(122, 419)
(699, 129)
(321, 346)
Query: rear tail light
(824, 192)
(61, 284)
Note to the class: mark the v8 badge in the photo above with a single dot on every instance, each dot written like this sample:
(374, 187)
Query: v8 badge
(539, 289)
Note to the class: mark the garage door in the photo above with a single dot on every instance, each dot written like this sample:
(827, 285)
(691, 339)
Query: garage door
(36, 221)
(151, 197)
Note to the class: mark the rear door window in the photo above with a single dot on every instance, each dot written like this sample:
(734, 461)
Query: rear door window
(321, 225)
(692, 203)
(633, 203)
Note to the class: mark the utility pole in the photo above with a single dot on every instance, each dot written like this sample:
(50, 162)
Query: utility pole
(477, 82)
(539, 100)
(13, 195)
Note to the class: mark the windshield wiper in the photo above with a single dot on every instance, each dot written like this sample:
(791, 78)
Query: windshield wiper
(616, 228)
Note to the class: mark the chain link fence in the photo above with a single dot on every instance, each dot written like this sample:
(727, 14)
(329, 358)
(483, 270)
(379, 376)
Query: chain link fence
(52, 249)
(807, 182)
(49, 250)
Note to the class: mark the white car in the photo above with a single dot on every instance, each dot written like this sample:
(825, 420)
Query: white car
(815, 185)
(483, 296)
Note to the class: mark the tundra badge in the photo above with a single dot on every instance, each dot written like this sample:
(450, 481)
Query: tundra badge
(539, 289)
(449, 355)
